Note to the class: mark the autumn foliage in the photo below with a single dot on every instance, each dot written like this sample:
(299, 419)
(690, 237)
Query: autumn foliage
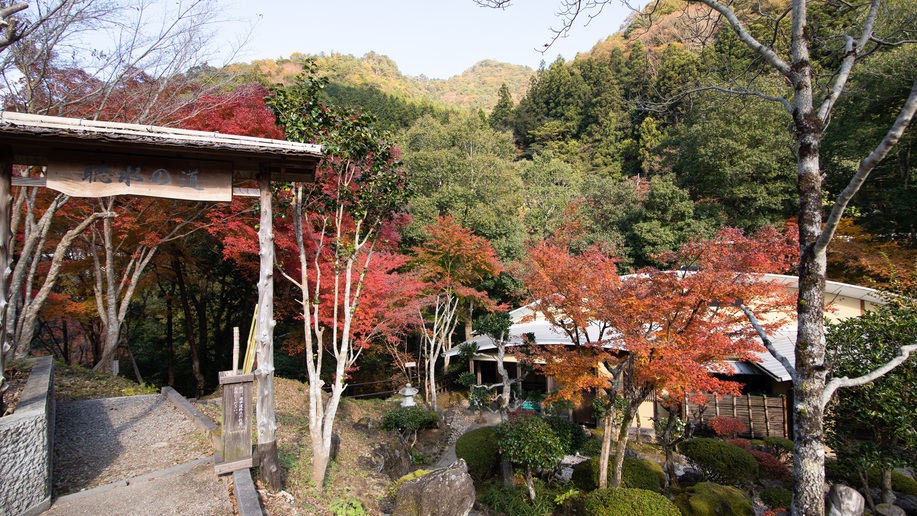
(727, 426)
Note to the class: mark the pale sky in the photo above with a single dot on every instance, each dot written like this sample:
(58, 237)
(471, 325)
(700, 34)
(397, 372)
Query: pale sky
(437, 38)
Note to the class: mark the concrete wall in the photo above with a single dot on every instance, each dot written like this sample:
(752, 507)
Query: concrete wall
(26, 444)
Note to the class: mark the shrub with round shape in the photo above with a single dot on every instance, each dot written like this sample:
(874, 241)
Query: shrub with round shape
(709, 499)
(779, 447)
(628, 502)
(720, 461)
(777, 497)
(637, 474)
(770, 467)
(407, 420)
(727, 426)
(479, 449)
(901, 483)
(741, 443)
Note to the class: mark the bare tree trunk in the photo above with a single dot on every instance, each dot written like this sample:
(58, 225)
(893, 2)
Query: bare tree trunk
(170, 339)
(888, 493)
(193, 344)
(605, 454)
(134, 364)
(621, 444)
(504, 377)
(529, 483)
(668, 446)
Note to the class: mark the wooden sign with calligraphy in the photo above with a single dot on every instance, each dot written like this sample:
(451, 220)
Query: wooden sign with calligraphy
(82, 174)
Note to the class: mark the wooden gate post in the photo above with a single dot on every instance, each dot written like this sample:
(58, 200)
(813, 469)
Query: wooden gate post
(6, 211)
(267, 426)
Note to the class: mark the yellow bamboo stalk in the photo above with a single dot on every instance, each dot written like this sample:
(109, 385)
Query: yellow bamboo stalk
(250, 345)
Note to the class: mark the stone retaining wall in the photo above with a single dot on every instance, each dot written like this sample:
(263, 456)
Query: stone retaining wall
(26, 443)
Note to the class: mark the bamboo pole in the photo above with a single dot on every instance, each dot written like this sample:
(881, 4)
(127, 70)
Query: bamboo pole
(235, 350)
(751, 418)
(249, 361)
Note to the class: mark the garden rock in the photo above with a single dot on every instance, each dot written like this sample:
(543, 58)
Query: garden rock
(444, 492)
(690, 477)
(887, 509)
(845, 501)
(391, 458)
(364, 425)
(908, 503)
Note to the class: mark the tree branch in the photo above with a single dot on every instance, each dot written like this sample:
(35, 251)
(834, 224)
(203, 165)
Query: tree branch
(837, 383)
(866, 167)
(769, 55)
(851, 50)
(766, 340)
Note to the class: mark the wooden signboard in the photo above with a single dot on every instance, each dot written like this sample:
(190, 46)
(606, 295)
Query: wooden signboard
(237, 423)
(83, 174)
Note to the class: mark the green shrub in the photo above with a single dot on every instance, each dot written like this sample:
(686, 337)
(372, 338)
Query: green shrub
(637, 474)
(836, 471)
(592, 447)
(408, 420)
(901, 483)
(514, 501)
(709, 499)
(529, 442)
(775, 443)
(349, 506)
(841, 472)
(628, 502)
(571, 434)
(479, 449)
(777, 497)
(720, 461)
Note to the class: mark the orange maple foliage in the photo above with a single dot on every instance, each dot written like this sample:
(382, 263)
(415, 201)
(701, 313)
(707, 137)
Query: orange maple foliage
(657, 330)
(861, 258)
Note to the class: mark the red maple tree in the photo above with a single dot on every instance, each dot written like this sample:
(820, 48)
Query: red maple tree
(655, 330)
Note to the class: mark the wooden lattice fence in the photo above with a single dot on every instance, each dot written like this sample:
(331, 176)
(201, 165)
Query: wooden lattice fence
(764, 416)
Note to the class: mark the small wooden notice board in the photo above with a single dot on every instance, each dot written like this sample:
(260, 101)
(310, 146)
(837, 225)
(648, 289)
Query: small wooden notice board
(237, 423)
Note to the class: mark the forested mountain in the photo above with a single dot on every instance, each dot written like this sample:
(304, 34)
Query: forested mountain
(373, 75)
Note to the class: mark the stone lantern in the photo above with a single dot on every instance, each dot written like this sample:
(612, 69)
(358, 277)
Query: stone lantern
(408, 393)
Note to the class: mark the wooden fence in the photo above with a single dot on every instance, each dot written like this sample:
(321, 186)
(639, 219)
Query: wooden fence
(764, 416)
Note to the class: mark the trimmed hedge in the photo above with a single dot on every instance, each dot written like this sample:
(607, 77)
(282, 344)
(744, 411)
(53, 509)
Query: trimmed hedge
(479, 449)
(643, 474)
(771, 467)
(779, 445)
(709, 499)
(901, 483)
(720, 461)
(628, 502)
(777, 497)
(409, 419)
